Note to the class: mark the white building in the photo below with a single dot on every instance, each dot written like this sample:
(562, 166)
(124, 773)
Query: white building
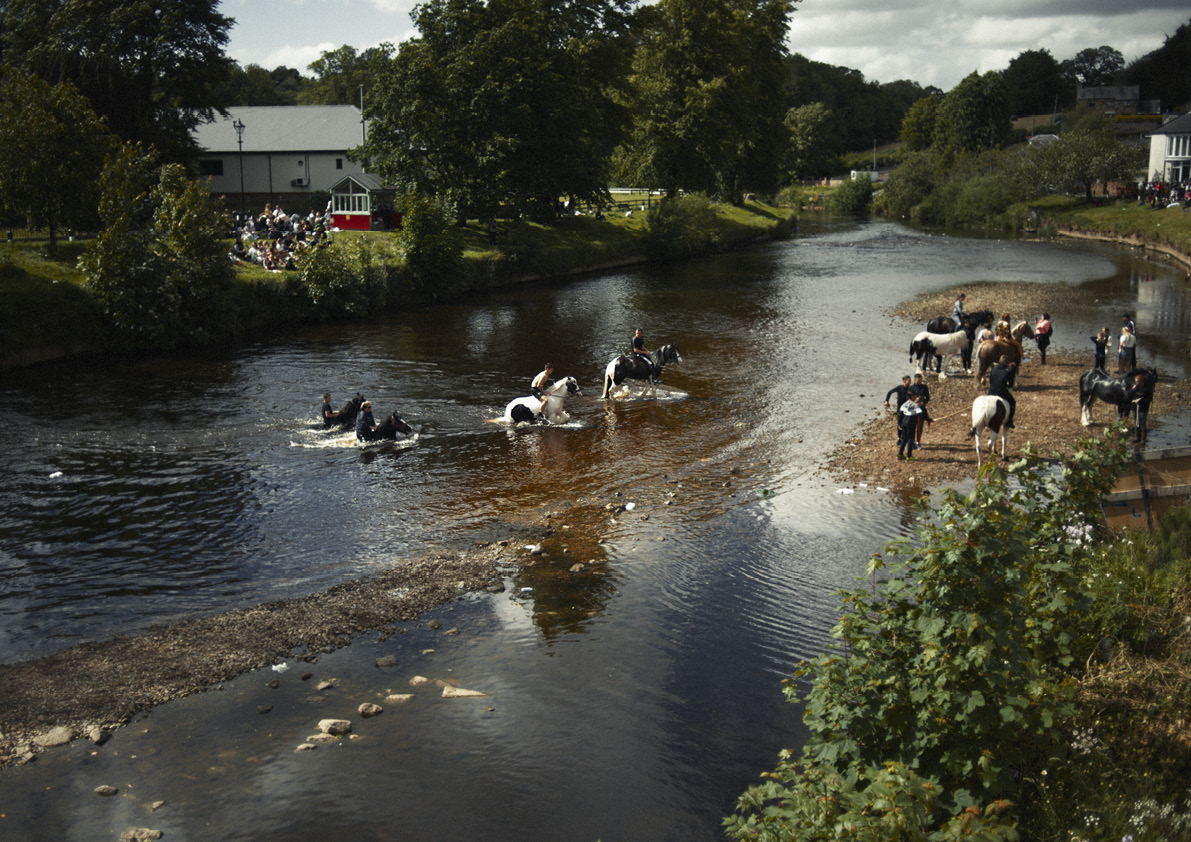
(1170, 151)
(286, 151)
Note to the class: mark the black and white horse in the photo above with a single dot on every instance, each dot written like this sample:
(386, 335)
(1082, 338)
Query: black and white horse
(637, 368)
(1110, 388)
(943, 346)
(388, 430)
(525, 409)
(989, 412)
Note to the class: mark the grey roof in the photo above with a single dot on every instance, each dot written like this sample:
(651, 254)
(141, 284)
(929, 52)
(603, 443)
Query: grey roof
(369, 181)
(1179, 125)
(284, 128)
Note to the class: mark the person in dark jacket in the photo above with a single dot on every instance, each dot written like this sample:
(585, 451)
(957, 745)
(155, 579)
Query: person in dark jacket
(365, 423)
(909, 418)
(1101, 340)
(1000, 380)
(1141, 392)
(920, 390)
(329, 413)
(903, 394)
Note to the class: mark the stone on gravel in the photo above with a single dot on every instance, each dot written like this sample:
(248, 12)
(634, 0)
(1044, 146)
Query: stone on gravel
(106, 791)
(335, 726)
(140, 834)
(322, 738)
(418, 681)
(369, 710)
(386, 661)
(449, 692)
(58, 736)
(306, 747)
(398, 698)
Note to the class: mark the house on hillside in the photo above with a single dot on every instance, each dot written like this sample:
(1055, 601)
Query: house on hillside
(1170, 151)
(282, 153)
(1117, 100)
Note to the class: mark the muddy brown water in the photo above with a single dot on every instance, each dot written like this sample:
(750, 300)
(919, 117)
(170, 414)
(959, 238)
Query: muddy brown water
(631, 700)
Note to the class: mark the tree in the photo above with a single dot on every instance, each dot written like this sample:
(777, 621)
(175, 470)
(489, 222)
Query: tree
(1034, 82)
(708, 108)
(812, 146)
(1162, 74)
(51, 148)
(1093, 67)
(918, 126)
(253, 85)
(458, 113)
(340, 74)
(974, 115)
(154, 70)
(159, 266)
(1082, 158)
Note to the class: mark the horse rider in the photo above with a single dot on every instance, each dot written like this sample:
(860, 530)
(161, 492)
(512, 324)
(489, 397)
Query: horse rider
(640, 352)
(365, 423)
(538, 387)
(1000, 379)
(1004, 330)
(330, 414)
(1141, 392)
(957, 312)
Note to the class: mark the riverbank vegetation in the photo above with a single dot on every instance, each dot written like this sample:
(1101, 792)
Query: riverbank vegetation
(1010, 673)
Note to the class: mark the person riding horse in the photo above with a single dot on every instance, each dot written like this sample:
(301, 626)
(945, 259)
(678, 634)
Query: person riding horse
(538, 387)
(999, 380)
(1003, 329)
(329, 413)
(365, 423)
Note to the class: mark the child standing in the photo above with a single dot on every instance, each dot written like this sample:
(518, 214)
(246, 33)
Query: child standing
(907, 426)
(1100, 340)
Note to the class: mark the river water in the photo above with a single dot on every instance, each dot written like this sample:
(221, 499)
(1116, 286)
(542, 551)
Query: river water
(632, 700)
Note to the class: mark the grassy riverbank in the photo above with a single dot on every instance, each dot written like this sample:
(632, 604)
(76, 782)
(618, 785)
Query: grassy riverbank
(49, 313)
(1125, 221)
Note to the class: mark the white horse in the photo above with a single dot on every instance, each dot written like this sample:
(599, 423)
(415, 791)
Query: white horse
(989, 412)
(944, 345)
(527, 408)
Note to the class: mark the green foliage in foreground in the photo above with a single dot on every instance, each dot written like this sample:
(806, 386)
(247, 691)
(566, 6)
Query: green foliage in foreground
(952, 688)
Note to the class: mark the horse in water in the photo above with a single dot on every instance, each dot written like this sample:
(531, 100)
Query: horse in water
(525, 409)
(1110, 388)
(388, 430)
(989, 412)
(637, 368)
(941, 346)
(347, 415)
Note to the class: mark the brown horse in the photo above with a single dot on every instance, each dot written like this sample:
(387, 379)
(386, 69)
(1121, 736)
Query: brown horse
(991, 352)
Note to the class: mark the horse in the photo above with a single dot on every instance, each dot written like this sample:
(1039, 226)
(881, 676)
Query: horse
(991, 351)
(347, 415)
(526, 409)
(636, 368)
(989, 412)
(939, 345)
(386, 430)
(1113, 389)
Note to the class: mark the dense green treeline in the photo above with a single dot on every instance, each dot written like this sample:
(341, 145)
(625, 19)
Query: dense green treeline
(1010, 673)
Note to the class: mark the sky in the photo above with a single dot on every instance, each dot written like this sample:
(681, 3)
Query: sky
(932, 42)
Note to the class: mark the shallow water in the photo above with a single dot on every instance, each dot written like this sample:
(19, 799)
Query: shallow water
(633, 700)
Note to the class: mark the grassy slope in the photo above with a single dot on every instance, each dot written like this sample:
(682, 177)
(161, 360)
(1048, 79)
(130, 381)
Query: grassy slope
(47, 311)
(1123, 220)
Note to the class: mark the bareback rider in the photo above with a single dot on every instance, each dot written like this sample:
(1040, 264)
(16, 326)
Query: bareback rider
(330, 414)
(538, 387)
(365, 423)
(640, 352)
(1000, 379)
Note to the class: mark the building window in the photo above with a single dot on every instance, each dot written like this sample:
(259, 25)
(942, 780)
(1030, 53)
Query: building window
(338, 163)
(210, 166)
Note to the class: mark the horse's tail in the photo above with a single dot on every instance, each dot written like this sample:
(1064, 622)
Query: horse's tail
(607, 385)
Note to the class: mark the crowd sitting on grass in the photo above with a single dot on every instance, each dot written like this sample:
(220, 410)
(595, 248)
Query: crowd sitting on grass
(1158, 195)
(278, 241)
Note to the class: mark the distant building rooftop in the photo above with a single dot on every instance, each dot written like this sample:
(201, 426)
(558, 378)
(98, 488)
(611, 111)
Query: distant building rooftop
(284, 128)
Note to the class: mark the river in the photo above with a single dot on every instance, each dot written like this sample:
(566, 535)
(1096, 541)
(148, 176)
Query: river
(633, 699)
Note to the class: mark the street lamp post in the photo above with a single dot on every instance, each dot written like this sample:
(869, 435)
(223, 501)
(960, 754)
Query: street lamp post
(238, 125)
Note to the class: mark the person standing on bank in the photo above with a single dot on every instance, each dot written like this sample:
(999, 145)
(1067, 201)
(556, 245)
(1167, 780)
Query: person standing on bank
(1000, 379)
(957, 311)
(1141, 393)
(921, 391)
(1126, 351)
(1042, 331)
(909, 418)
(1126, 321)
(1101, 340)
(903, 394)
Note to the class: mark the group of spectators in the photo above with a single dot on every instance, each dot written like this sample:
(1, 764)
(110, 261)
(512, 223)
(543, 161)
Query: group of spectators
(278, 241)
(1157, 195)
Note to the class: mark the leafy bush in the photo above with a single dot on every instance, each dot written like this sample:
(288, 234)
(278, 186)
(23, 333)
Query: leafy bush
(681, 226)
(430, 244)
(853, 197)
(960, 666)
(159, 267)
